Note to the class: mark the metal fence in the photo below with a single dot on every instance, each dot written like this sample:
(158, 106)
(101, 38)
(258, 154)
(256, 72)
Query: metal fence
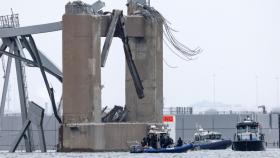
(191, 111)
(177, 110)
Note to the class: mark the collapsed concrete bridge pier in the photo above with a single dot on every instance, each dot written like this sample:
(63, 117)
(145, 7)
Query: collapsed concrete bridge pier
(82, 129)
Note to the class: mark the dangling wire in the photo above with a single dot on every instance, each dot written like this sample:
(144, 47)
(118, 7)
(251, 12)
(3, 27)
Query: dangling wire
(173, 51)
(170, 66)
(150, 12)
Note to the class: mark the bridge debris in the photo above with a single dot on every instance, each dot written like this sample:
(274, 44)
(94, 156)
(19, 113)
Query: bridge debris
(79, 7)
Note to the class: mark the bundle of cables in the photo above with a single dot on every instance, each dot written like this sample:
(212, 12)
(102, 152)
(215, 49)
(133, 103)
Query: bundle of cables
(186, 52)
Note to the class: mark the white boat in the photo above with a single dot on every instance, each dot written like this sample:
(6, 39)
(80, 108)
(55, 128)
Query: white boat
(248, 136)
(157, 132)
(210, 140)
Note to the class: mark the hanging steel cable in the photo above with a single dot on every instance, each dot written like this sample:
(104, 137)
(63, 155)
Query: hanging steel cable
(170, 66)
(150, 12)
(174, 52)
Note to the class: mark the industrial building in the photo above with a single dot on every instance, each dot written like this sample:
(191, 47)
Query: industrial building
(11, 124)
(185, 123)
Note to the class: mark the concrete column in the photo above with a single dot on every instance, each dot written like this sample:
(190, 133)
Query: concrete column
(81, 129)
(81, 68)
(148, 57)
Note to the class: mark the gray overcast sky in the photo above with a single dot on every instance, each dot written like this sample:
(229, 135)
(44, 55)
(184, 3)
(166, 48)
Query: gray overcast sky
(240, 39)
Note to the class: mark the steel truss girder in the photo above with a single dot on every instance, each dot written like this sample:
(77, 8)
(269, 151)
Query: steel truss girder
(117, 27)
(31, 63)
(27, 61)
(16, 45)
(109, 37)
(35, 116)
(49, 89)
(47, 64)
(2, 47)
(22, 93)
(15, 144)
(27, 30)
(6, 82)
(37, 57)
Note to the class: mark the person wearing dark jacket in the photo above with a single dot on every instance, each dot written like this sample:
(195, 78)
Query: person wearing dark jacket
(144, 142)
(161, 141)
(168, 141)
(179, 142)
(154, 141)
(148, 139)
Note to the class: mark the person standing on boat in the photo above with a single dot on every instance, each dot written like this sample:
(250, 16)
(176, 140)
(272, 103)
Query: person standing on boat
(161, 141)
(168, 141)
(144, 142)
(148, 139)
(154, 141)
(179, 142)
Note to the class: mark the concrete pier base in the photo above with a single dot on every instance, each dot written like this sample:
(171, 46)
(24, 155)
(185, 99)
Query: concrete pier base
(100, 136)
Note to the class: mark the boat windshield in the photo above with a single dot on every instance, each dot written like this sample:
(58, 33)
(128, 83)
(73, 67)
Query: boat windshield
(197, 138)
(241, 129)
(208, 136)
(253, 129)
(215, 136)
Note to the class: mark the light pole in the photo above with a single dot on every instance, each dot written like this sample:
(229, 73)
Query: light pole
(277, 91)
(214, 89)
(257, 91)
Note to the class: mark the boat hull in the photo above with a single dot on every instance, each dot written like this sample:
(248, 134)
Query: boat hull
(248, 145)
(183, 148)
(218, 145)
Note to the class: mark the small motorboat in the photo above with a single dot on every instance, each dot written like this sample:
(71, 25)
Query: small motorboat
(175, 149)
(156, 132)
(210, 140)
(248, 136)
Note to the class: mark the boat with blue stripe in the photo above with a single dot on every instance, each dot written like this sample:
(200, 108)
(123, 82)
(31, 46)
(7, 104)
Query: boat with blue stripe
(159, 141)
(210, 140)
(175, 149)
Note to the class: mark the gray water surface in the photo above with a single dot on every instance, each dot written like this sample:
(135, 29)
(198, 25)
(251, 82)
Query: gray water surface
(269, 153)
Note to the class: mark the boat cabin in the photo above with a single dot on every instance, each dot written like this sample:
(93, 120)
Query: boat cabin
(203, 135)
(158, 136)
(243, 127)
(248, 130)
(158, 130)
(248, 136)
